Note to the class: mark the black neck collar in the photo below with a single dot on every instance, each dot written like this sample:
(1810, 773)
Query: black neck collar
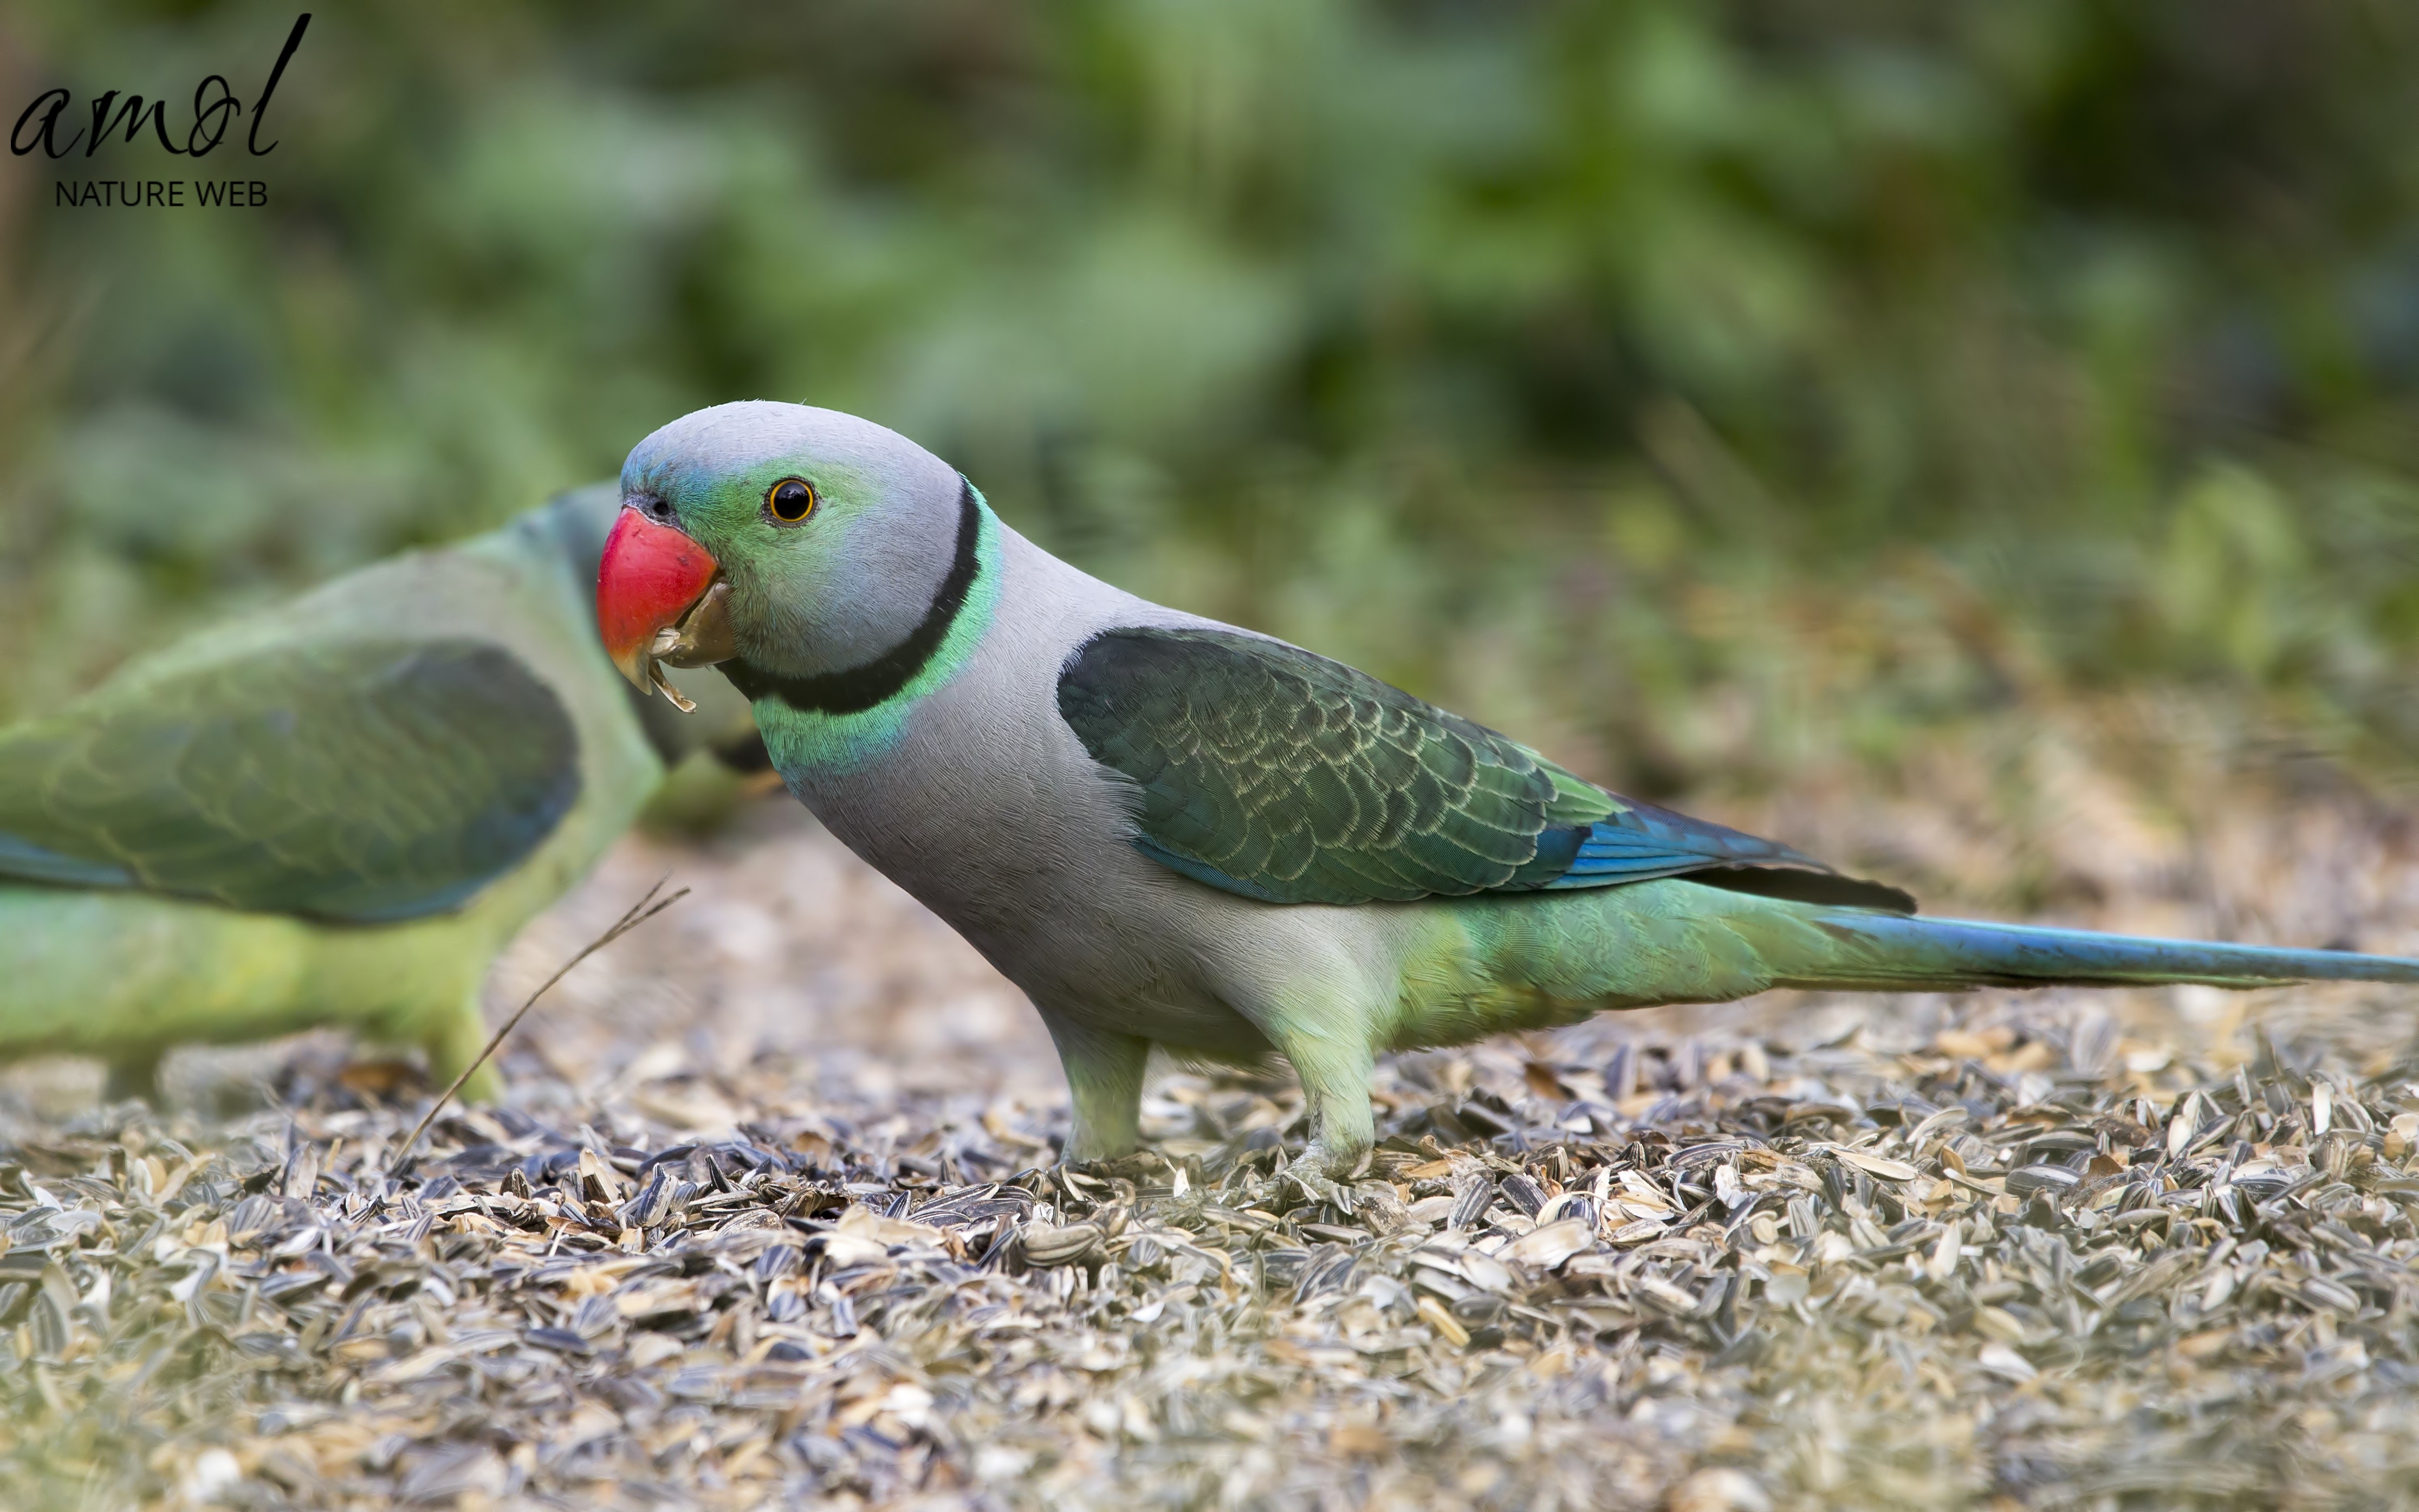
(870, 683)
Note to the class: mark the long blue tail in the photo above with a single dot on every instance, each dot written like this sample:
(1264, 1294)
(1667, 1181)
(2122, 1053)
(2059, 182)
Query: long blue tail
(1892, 952)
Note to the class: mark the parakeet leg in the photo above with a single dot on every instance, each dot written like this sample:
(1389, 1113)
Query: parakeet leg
(1335, 1075)
(1105, 1075)
(1328, 1045)
(133, 1073)
(453, 1043)
(1319, 1008)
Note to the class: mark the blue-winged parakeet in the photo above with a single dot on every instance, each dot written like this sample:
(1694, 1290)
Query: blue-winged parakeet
(1171, 831)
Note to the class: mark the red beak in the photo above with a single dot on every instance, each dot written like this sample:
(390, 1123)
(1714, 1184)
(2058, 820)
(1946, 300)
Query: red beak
(650, 576)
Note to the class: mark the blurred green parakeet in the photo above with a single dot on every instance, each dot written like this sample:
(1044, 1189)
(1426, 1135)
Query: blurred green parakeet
(1171, 831)
(335, 813)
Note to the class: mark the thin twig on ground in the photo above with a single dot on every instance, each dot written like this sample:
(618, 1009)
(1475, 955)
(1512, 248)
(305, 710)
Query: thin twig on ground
(635, 915)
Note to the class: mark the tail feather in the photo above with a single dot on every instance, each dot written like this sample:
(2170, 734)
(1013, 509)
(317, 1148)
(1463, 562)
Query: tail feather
(1674, 940)
(1891, 952)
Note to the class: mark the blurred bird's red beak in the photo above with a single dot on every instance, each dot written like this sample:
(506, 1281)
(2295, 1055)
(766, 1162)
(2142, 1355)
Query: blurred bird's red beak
(658, 599)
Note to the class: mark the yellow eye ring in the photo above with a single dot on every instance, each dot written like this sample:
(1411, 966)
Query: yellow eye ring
(790, 500)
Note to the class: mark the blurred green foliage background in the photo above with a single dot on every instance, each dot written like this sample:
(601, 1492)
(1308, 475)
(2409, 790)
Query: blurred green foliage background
(1692, 388)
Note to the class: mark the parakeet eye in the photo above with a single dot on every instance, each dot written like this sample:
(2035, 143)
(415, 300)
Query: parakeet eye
(790, 500)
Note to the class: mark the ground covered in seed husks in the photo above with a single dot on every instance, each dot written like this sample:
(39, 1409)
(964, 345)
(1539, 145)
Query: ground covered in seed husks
(772, 1215)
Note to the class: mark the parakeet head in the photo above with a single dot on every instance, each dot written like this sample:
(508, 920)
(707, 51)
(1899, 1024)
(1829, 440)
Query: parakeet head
(808, 542)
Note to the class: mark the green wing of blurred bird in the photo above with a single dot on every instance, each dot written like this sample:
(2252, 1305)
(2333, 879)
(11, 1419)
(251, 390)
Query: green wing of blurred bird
(337, 811)
(1170, 831)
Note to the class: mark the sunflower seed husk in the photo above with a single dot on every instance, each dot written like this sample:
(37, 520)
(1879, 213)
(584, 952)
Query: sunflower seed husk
(1045, 1246)
(1846, 1250)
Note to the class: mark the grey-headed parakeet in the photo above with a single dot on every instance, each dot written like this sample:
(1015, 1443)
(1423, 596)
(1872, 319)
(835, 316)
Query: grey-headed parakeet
(1171, 831)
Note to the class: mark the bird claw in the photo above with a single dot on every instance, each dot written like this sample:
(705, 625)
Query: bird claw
(1315, 1185)
(1327, 1165)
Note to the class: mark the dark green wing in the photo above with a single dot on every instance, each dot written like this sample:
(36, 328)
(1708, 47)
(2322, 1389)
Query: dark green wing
(358, 781)
(1283, 776)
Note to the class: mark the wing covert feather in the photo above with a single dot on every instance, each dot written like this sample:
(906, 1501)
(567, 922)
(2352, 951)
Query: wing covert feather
(1283, 776)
